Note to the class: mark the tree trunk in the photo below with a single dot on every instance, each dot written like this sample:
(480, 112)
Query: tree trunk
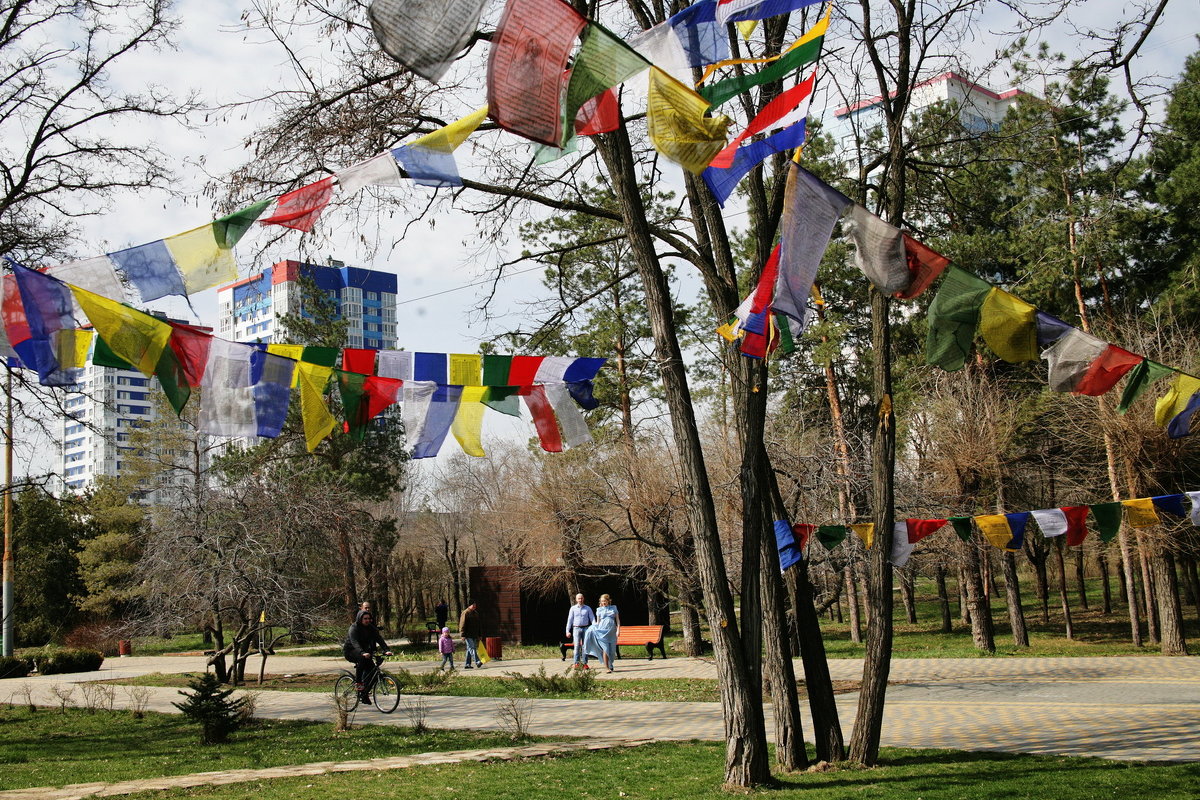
(907, 592)
(877, 662)
(852, 602)
(1105, 580)
(658, 604)
(777, 665)
(1148, 588)
(827, 728)
(939, 577)
(1062, 588)
(1170, 614)
(1042, 585)
(746, 759)
(1012, 590)
(1129, 587)
(1079, 579)
(982, 632)
(964, 609)
(689, 620)
(1189, 567)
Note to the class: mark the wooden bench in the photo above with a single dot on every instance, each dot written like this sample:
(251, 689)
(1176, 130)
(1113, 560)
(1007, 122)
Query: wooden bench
(648, 636)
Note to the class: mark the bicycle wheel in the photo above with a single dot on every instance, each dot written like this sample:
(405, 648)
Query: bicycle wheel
(344, 693)
(386, 693)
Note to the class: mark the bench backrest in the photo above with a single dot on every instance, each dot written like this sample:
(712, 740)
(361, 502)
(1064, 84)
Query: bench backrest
(640, 634)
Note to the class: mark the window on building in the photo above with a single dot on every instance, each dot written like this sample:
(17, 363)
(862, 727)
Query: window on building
(128, 409)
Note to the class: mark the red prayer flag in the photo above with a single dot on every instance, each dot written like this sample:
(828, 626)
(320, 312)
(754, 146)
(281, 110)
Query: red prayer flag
(601, 114)
(527, 76)
(918, 529)
(358, 360)
(300, 209)
(924, 264)
(15, 323)
(522, 370)
(1105, 371)
(381, 393)
(1076, 524)
(543, 418)
(190, 346)
(803, 530)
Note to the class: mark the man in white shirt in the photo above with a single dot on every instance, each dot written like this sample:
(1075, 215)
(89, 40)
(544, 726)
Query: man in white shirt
(579, 619)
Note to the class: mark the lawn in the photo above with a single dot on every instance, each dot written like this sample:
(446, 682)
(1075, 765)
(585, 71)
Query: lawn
(460, 684)
(693, 770)
(52, 748)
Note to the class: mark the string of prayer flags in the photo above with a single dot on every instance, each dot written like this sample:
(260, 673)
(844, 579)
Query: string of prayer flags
(429, 160)
(1140, 513)
(425, 35)
(1007, 324)
(953, 317)
(677, 124)
(811, 210)
(785, 544)
(301, 208)
(804, 51)
(527, 67)
(604, 61)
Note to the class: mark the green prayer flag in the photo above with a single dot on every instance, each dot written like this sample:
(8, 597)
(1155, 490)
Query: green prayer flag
(721, 91)
(103, 356)
(495, 370)
(1140, 379)
(503, 399)
(953, 317)
(321, 356)
(1108, 519)
(351, 385)
(229, 229)
(604, 60)
(830, 536)
(962, 527)
(786, 343)
(173, 380)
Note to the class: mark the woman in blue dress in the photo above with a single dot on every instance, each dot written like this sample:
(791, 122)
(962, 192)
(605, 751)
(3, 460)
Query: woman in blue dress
(601, 639)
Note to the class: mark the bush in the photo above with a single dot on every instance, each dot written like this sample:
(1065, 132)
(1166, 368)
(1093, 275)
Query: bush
(210, 707)
(580, 681)
(59, 661)
(100, 636)
(13, 667)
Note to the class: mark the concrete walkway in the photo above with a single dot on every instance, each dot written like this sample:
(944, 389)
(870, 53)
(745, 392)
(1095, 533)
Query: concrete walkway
(1128, 708)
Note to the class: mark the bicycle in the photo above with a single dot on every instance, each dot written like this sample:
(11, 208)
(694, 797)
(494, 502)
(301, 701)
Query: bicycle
(384, 689)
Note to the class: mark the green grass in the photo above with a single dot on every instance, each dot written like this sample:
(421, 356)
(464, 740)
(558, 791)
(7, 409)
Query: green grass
(693, 770)
(51, 748)
(1095, 633)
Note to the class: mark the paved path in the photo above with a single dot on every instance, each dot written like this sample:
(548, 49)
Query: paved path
(1141, 707)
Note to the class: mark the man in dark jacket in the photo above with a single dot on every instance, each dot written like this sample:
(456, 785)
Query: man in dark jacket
(470, 629)
(362, 640)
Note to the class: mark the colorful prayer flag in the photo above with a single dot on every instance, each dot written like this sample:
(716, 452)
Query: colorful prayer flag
(677, 125)
(604, 61)
(785, 544)
(1070, 358)
(925, 265)
(201, 260)
(995, 529)
(953, 317)
(1106, 370)
(878, 249)
(380, 170)
(301, 208)
(1007, 325)
(1140, 513)
(425, 35)
(1108, 519)
(722, 182)
(785, 109)
(429, 160)
(864, 531)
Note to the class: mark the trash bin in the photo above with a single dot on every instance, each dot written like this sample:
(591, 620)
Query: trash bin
(124, 647)
(494, 647)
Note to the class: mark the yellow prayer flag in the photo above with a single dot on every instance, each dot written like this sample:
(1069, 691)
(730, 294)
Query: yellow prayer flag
(292, 351)
(136, 337)
(677, 125)
(1140, 513)
(1008, 325)
(465, 369)
(71, 347)
(819, 29)
(1176, 399)
(468, 422)
(729, 330)
(318, 422)
(864, 531)
(447, 139)
(202, 261)
(746, 28)
(995, 529)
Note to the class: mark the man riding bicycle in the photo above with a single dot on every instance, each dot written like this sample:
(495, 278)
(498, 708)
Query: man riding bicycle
(362, 640)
